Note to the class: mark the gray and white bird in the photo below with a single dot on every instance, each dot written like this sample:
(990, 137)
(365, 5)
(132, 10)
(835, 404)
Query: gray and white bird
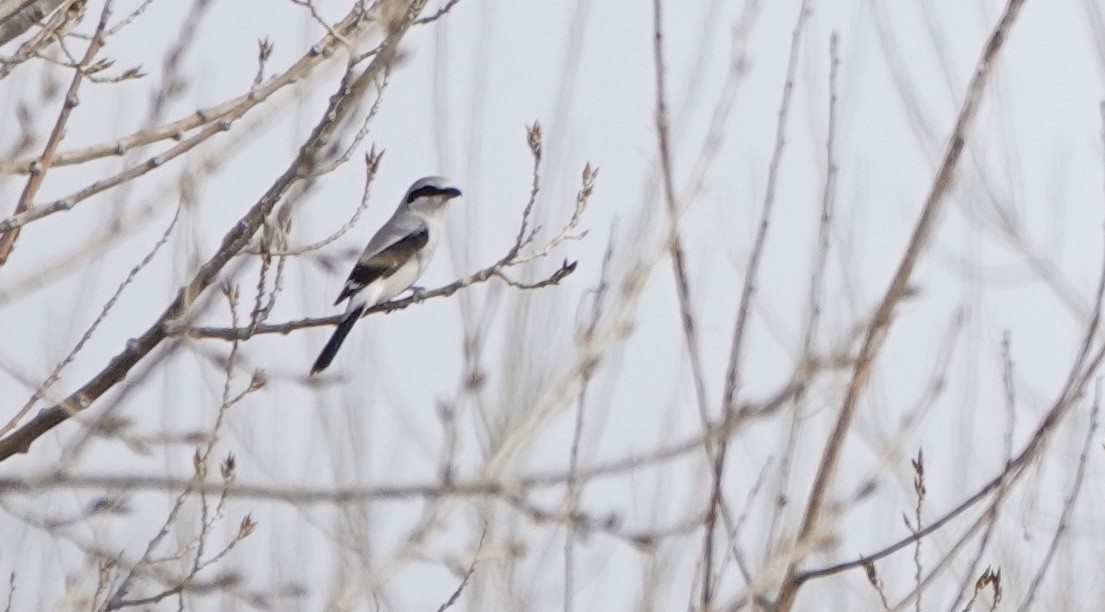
(394, 258)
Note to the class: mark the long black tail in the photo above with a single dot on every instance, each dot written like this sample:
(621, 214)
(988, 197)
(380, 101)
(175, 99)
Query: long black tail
(332, 346)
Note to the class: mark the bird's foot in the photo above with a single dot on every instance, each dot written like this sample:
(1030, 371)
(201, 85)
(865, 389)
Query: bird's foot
(418, 294)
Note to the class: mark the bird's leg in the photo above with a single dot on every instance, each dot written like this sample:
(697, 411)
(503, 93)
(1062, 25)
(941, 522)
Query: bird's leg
(418, 294)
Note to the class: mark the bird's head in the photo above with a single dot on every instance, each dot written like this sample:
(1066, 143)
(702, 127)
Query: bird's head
(428, 195)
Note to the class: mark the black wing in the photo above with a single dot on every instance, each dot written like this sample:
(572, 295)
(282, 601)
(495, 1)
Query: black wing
(384, 263)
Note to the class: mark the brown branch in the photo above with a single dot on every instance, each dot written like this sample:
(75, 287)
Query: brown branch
(682, 284)
(748, 292)
(877, 330)
(344, 102)
(675, 243)
(494, 271)
(44, 161)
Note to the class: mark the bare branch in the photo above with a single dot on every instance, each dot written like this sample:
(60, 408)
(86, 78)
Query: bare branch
(493, 271)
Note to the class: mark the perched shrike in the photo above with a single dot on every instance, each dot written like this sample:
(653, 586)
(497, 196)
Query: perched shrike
(394, 258)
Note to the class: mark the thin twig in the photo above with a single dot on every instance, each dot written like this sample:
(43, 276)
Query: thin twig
(1068, 505)
(816, 291)
(682, 284)
(574, 486)
(467, 575)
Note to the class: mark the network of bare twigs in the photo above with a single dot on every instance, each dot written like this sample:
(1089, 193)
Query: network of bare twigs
(365, 77)
(354, 59)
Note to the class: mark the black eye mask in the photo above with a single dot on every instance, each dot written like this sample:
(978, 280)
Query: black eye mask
(430, 190)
